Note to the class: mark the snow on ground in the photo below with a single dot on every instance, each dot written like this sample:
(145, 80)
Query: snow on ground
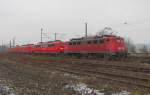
(83, 89)
(122, 93)
(5, 90)
(71, 75)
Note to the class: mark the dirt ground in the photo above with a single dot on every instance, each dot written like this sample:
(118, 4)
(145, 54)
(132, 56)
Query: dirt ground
(33, 75)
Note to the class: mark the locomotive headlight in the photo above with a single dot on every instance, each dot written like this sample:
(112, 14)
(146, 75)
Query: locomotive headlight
(61, 48)
(120, 48)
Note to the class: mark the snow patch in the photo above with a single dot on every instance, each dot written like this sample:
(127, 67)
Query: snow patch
(71, 75)
(5, 90)
(122, 93)
(83, 89)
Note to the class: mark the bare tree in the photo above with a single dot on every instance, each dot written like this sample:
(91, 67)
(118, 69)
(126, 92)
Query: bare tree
(130, 45)
(144, 49)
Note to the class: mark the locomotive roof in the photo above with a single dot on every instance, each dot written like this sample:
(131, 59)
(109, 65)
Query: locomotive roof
(49, 42)
(54, 41)
(27, 45)
(94, 37)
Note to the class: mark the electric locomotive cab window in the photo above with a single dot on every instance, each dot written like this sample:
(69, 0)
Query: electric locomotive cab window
(70, 43)
(37, 46)
(101, 41)
(51, 45)
(78, 43)
(45, 45)
(74, 43)
(107, 40)
(95, 41)
(119, 40)
(89, 42)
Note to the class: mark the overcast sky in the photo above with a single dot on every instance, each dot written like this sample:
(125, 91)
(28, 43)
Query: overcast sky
(24, 18)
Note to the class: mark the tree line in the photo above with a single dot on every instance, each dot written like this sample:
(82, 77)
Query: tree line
(134, 48)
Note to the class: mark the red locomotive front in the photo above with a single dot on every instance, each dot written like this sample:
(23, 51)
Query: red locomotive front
(106, 44)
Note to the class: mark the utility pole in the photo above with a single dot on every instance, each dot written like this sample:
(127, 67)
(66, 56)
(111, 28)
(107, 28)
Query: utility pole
(10, 43)
(14, 39)
(85, 29)
(2, 43)
(55, 36)
(41, 35)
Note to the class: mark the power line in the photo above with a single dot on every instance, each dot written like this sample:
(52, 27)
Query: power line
(55, 36)
(10, 43)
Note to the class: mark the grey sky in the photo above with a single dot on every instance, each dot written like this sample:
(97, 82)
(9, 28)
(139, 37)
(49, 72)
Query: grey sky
(24, 18)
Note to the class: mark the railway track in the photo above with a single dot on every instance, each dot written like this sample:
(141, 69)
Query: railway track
(106, 72)
(139, 79)
(109, 64)
(107, 76)
(137, 76)
(114, 66)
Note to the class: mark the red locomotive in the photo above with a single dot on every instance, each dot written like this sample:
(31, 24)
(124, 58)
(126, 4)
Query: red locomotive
(49, 47)
(100, 45)
(96, 45)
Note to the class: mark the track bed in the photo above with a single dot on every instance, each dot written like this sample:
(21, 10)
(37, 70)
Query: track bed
(38, 69)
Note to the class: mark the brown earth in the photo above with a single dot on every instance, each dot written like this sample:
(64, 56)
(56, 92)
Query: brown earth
(47, 75)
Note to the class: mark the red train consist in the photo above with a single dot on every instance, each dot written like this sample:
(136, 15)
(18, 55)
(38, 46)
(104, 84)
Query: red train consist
(96, 45)
(44, 47)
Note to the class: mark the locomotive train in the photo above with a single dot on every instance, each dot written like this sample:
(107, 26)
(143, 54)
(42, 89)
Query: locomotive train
(109, 45)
